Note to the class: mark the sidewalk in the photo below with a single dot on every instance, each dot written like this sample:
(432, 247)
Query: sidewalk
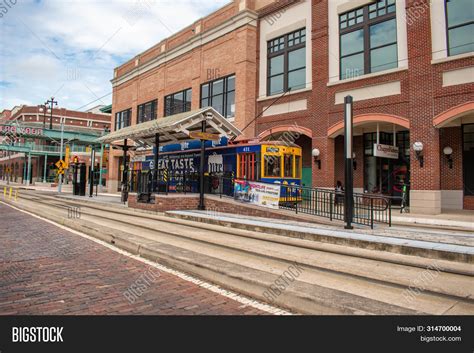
(463, 219)
(66, 190)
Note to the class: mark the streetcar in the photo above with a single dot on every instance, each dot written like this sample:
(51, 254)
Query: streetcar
(272, 162)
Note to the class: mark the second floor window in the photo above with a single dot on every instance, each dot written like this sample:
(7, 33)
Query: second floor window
(123, 119)
(147, 111)
(368, 39)
(460, 26)
(220, 94)
(178, 102)
(286, 62)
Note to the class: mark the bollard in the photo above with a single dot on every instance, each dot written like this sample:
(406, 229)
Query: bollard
(16, 195)
(4, 192)
(10, 194)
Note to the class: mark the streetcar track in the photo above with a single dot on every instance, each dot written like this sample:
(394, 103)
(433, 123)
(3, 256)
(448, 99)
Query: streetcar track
(57, 203)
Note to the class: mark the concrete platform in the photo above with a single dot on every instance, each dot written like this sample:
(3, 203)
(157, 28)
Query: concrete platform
(456, 247)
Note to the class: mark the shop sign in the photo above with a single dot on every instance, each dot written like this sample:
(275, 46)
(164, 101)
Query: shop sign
(266, 195)
(5, 129)
(385, 151)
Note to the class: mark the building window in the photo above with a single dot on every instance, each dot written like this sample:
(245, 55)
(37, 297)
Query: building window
(220, 94)
(460, 26)
(178, 102)
(468, 158)
(286, 62)
(123, 119)
(147, 111)
(368, 39)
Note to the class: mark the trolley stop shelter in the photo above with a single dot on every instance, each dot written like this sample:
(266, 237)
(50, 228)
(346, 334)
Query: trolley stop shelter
(169, 130)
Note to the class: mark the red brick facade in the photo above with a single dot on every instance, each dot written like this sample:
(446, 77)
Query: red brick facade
(31, 116)
(422, 98)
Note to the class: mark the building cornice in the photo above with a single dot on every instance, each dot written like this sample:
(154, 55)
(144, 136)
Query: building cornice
(243, 18)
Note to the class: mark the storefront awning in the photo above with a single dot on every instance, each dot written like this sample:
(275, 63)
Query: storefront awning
(175, 128)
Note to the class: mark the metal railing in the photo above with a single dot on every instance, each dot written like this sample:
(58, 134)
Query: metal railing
(368, 209)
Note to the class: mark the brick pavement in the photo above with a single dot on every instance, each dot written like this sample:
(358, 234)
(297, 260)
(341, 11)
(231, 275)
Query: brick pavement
(46, 270)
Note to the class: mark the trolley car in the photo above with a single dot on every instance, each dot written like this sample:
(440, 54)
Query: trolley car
(178, 166)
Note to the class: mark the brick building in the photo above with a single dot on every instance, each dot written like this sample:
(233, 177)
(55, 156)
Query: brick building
(26, 128)
(408, 64)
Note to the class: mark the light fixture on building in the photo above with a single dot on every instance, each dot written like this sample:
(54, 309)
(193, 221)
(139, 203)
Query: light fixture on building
(316, 153)
(354, 161)
(418, 148)
(448, 152)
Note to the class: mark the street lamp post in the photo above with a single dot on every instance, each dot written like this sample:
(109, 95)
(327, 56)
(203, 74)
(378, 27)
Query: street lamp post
(52, 103)
(43, 108)
(348, 170)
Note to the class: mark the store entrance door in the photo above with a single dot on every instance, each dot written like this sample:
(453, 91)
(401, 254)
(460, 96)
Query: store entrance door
(385, 175)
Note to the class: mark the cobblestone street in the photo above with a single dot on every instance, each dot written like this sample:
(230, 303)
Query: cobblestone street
(47, 270)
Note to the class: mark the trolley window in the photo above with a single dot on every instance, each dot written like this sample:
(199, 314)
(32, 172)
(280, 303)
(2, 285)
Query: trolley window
(298, 167)
(272, 166)
(247, 166)
(288, 166)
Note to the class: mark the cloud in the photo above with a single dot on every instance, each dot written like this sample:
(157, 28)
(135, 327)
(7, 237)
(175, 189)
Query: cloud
(70, 48)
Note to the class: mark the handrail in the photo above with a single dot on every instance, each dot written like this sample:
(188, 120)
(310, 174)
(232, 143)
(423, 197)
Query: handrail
(367, 208)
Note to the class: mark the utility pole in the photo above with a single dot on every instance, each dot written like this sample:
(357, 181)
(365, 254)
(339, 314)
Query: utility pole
(9, 166)
(28, 173)
(60, 185)
(91, 177)
(105, 132)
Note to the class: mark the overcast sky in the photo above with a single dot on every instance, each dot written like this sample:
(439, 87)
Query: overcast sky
(69, 48)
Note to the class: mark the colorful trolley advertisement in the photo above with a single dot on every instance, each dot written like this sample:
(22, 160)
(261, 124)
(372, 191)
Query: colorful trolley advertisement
(266, 195)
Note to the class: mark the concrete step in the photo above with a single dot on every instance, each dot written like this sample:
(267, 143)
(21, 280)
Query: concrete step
(302, 241)
(374, 240)
(239, 267)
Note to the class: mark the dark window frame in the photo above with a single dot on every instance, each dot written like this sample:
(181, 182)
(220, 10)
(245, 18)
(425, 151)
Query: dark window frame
(225, 94)
(466, 174)
(448, 47)
(365, 26)
(121, 121)
(141, 109)
(285, 51)
(185, 106)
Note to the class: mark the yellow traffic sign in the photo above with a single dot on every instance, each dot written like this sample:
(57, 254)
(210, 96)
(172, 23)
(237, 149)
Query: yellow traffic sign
(60, 171)
(61, 164)
(204, 136)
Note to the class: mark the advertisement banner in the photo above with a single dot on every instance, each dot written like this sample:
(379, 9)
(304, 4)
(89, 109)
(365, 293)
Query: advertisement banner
(266, 195)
